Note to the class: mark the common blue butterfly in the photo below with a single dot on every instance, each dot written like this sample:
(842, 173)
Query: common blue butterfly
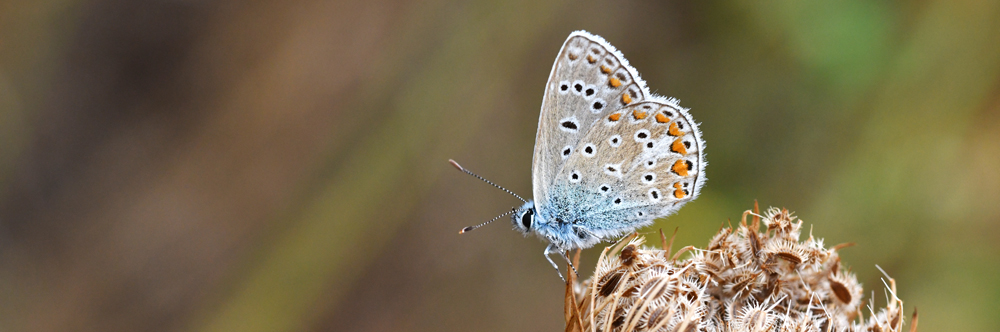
(610, 157)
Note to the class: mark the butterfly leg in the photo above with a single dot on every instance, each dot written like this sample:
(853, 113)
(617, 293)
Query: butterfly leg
(552, 248)
(570, 263)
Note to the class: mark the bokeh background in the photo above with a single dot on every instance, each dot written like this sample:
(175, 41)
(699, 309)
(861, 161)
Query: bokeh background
(172, 165)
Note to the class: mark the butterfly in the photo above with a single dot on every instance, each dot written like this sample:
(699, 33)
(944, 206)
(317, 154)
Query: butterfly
(609, 157)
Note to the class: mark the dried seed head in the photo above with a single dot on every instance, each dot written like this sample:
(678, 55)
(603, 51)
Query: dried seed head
(619, 320)
(655, 288)
(846, 289)
(840, 290)
(747, 280)
(741, 279)
(609, 282)
(754, 317)
(786, 250)
(631, 291)
(772, 286)
(629, 254)
(720, 239)
(656, 316)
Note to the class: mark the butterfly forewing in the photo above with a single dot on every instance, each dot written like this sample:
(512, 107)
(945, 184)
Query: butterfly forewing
(589, 80)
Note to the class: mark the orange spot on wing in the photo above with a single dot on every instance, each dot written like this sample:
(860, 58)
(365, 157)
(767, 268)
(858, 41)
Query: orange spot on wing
(661, 118)
(639, 115)
(615, 117)
(573, 56)
(678, 146)
(678, 192)
(591, 59)
(605, 69)
(680, 167)
(674, 131)
(626, 98)
(614, 82)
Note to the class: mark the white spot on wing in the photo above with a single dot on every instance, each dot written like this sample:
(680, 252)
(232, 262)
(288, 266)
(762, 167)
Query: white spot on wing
(575, 177)
(641, 135)
(613, 170)
(589, 147)
(615, 141)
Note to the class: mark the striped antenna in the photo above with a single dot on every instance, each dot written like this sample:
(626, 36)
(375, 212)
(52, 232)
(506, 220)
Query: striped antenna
(459, 167)
(470, 228)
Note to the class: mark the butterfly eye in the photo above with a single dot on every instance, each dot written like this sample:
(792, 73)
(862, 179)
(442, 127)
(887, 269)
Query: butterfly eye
(526, 219)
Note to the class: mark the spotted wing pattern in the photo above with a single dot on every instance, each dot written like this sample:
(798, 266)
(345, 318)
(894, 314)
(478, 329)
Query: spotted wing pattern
(640, 162)
(589, 80)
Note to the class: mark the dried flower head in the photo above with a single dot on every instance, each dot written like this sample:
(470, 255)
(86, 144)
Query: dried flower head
(746, 280)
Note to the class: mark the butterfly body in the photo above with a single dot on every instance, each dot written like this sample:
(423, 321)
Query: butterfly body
(609, 156)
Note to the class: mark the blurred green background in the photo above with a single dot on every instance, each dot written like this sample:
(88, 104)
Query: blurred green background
(173, 165)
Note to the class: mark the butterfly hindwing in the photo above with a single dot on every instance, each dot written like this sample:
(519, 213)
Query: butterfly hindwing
(640, 162)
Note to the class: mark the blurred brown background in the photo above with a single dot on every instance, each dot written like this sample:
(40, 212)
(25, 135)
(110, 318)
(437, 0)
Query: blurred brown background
(175, 165)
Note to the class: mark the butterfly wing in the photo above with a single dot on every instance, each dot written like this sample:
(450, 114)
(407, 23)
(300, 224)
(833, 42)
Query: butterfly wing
(589, 79)
(638, 163)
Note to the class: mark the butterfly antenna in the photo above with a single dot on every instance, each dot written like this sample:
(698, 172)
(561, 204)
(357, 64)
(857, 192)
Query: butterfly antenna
(459, 167)
(470, 228)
